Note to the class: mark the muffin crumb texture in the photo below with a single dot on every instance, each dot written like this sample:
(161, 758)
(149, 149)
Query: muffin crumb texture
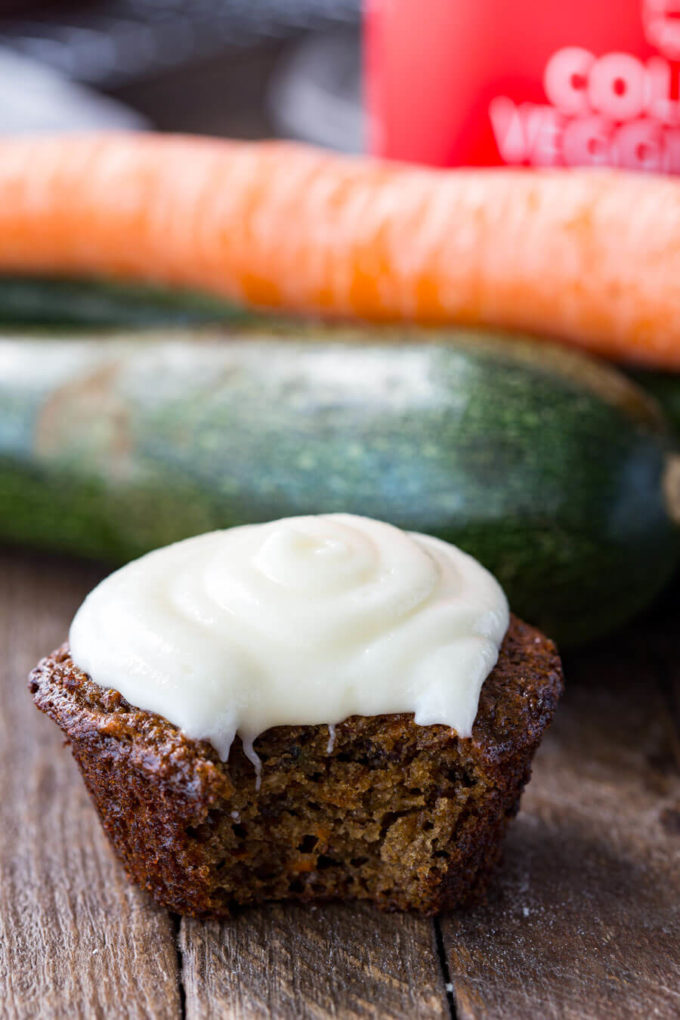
(376, 808)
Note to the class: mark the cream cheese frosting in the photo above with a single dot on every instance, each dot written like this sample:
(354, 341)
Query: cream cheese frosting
(305, 620)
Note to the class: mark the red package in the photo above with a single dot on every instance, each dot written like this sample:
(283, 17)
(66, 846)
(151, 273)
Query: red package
(525, 82)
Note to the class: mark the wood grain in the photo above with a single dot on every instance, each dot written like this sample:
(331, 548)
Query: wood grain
(295, 962)
(76, 940)
(584, 919)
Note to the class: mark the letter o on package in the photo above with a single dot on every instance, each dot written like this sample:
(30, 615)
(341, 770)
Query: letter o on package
(566, 79)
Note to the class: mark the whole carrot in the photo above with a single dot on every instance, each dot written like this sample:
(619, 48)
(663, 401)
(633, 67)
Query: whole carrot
(592, 257)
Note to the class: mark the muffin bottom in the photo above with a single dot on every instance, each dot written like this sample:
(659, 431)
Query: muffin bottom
(409, 817)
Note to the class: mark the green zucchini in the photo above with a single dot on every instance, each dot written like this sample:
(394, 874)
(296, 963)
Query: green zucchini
(665, 388)
(72, 303)
(549, 467)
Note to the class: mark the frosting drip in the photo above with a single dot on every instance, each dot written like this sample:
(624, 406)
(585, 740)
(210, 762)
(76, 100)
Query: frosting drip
(306, 620)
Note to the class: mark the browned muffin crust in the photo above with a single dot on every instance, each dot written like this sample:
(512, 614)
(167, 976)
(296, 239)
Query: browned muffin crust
(408, 816)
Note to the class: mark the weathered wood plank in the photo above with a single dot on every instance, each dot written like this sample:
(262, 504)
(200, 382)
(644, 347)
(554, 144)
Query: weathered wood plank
(584, 919)
(76, 939)
(294, 962)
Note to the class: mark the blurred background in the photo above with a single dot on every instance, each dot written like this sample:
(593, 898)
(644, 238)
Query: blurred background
(243, 68)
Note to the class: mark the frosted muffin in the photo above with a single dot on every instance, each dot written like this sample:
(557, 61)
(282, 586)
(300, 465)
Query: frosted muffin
(315, 708)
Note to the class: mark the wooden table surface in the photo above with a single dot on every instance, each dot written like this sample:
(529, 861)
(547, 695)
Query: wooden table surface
(583, 920)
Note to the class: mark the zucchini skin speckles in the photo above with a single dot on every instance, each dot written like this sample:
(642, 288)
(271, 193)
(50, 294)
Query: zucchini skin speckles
(544, 464)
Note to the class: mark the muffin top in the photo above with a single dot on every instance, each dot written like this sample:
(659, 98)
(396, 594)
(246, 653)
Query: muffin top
(301, 621)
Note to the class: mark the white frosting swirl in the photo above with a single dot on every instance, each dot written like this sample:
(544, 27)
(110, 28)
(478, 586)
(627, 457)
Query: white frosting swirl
(306, 620)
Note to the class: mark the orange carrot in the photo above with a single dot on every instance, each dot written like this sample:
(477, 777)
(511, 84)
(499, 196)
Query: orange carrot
(592, 257)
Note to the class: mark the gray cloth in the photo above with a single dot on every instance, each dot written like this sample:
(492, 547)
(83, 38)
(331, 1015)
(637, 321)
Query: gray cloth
(110, 44)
